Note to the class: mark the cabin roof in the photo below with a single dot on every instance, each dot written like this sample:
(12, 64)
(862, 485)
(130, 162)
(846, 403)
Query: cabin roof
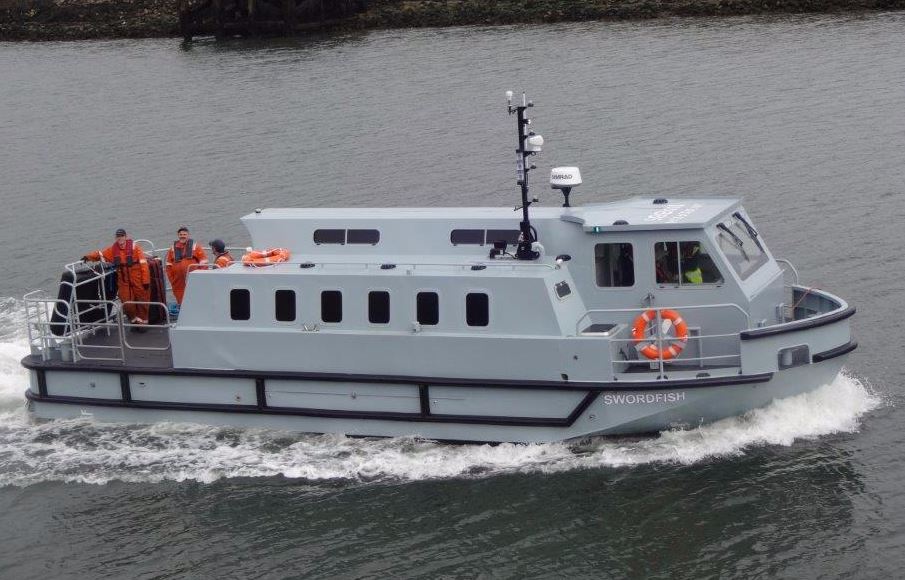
(643, 213)
(640, 213)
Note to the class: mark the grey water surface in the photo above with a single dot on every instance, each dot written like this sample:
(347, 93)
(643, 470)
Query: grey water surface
(802, 116)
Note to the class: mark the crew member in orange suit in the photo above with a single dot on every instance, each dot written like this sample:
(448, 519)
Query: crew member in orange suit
(133, 278)
(222, 257)
(184, 253)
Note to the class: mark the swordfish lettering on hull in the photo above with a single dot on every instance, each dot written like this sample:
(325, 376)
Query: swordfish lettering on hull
(646, 398)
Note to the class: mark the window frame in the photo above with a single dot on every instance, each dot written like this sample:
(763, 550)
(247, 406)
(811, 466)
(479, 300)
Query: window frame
(329, 243)
(631, 245)
(250, 311)
(436, 293)
(341, 309)
(680, 284)
(389, 306)
(485, 293)
(361, 231)
(295, 305)
(758, 243)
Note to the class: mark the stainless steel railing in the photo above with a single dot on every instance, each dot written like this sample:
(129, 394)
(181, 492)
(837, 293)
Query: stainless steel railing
(656, 333)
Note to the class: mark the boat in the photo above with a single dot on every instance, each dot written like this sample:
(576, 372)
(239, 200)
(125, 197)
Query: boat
(457, 324)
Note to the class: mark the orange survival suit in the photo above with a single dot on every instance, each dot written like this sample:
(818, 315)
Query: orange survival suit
(179, 257)
(133, 278)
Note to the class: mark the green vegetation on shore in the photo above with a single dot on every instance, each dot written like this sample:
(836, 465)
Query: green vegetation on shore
(77, 19)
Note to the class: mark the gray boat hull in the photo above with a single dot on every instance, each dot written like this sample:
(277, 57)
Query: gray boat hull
(463, 412)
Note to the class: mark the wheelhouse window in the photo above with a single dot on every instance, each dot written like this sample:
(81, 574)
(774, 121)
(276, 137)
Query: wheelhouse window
(329, 236)
(427, 306)
(239, 304)
(332, 306)
(739, 242)
(614, 265)
(284, 305)
(477, 309)
(379, 307)
(684, 264)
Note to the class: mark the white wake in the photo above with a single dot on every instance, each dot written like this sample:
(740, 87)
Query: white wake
(86, 452)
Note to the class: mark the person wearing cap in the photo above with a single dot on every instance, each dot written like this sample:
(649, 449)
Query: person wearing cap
(180, 258)
(133, 277)
(222, 258)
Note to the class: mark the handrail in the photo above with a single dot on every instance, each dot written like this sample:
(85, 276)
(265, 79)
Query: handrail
(413, 265)
(82, 329)
(130, 326)
(659, 309)
(792, 269)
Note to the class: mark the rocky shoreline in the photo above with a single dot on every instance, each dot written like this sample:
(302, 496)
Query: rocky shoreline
(83, 19)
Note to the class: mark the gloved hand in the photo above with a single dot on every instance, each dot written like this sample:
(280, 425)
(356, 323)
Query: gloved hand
(85, 259)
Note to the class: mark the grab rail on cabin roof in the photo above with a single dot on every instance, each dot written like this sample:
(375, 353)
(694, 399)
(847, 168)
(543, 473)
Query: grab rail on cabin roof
(512, 264)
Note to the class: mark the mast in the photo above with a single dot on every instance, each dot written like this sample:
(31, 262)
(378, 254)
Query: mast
(529, 144)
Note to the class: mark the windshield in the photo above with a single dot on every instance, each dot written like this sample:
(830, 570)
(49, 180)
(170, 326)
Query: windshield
(739, 242)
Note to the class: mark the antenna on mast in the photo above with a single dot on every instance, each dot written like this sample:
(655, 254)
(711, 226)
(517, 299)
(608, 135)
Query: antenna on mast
(529, 143)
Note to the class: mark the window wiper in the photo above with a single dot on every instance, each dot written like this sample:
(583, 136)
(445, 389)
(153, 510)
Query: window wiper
(751, 231)
(735, 240)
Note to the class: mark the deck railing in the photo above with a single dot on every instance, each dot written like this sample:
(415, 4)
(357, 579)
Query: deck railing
(656, 334)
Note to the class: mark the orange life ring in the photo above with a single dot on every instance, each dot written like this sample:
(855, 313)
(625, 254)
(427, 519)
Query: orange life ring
(650, 350)
(265, 258)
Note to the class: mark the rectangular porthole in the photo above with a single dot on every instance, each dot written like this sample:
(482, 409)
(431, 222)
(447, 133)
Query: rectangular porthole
(284, 305)
(329, 236)
(331, 306)
(477, 309)
(379, 307)
(239, 304)
(427, 306)
(363, 237)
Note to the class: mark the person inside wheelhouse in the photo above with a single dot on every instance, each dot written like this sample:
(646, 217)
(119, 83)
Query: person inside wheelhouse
(684, 264)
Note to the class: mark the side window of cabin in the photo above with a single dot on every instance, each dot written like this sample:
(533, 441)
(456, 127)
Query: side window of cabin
(739, 242)
(614, 265)
(239, 304)
(477, 309)
(473, 237)
(363, 237)
(480, 237)
(332, 306)
(684, 264)
(508, 236)
(427, 307)
(284, 305)
(329, 237)
(379, 307)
